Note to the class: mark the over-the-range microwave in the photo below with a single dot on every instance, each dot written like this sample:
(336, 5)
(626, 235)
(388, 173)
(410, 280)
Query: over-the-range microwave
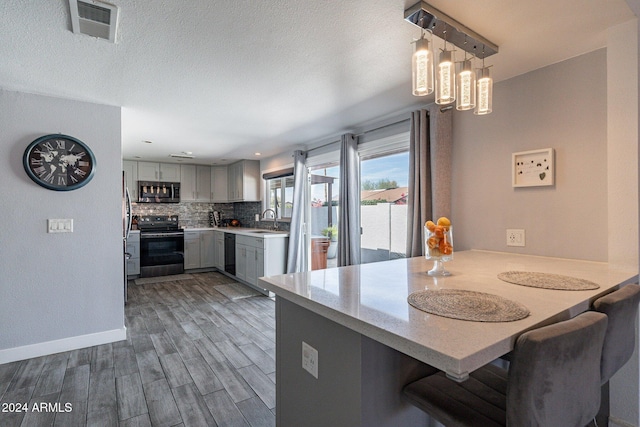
(158, 192)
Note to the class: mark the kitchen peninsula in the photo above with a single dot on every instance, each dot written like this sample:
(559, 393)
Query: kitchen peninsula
(370, 341)
(242, 253)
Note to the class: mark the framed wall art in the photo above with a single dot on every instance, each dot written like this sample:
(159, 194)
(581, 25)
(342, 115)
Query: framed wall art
(533, 168)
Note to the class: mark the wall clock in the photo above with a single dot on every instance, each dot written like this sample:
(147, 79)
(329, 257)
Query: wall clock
(59, 162)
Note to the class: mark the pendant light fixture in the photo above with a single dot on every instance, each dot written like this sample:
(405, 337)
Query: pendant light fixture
(485, 91)
(422, 67)
(446, 78)
(469, 90)
(465, 85)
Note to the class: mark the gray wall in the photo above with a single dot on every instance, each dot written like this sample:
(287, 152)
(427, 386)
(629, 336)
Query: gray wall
(59, 291)
(563, 106)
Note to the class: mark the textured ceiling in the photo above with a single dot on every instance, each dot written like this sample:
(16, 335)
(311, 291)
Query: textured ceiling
(224, 79)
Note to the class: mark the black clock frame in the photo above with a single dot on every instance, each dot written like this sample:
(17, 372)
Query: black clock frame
(35, 178)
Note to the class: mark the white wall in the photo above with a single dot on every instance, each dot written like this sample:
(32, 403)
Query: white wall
(623, 96)
(59, 291)
(622, 144)
(562, 106)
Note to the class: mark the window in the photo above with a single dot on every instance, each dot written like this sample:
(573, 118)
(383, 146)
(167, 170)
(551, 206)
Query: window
(280, 196)
(279, 185)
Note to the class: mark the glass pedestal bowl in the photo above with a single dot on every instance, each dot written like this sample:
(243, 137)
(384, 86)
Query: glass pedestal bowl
(439, 248)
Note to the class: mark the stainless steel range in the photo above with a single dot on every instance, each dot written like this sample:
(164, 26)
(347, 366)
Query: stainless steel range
(161, 246)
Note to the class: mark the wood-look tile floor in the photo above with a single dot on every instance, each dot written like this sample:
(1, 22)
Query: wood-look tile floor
(193, 357)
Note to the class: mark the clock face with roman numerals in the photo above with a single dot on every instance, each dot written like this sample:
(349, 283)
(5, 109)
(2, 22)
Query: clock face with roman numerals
(59, 162)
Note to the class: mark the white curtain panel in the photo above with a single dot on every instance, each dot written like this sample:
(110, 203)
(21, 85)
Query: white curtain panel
(349, 209)
(297, 255)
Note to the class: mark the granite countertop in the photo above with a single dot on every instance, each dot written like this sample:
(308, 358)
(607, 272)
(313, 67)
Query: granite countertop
(371, 299)
(252, 232)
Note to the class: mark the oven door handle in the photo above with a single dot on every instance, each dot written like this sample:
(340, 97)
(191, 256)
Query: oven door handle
(161, 235)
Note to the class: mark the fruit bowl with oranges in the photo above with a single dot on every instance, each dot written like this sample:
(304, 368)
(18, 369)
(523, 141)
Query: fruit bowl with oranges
(438, 244)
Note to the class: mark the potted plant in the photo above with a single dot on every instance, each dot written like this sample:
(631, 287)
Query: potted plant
(332, 234)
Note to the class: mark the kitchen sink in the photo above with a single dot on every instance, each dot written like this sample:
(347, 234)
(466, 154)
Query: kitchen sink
(263, 232)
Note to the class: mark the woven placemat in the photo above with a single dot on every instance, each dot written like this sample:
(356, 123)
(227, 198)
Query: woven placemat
(547, 281)
(468, 305)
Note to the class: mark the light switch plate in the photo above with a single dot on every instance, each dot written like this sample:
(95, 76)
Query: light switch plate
(60, 225)
(310, 359)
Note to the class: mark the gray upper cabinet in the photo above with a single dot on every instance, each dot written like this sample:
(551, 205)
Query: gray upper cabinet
(219, 186)
(130, 169)
(244, 181)
(151, 171)
(237, 182)
(195, 183)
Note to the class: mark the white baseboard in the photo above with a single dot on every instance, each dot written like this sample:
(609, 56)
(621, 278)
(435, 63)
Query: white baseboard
(613, 421)
(59, 346)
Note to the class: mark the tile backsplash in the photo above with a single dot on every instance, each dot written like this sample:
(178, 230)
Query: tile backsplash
(196, 214)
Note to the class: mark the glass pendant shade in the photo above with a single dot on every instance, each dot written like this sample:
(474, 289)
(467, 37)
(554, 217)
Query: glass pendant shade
(422, 68)
(466, 87)
(445, 79)
(484, 102)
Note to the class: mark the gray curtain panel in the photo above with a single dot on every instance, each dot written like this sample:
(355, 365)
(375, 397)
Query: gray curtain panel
(349, 209)
(419, 197)
(297, 256)
(441, 135)
(430, 154)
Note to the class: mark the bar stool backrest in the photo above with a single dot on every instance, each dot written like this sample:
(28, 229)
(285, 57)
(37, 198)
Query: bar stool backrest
(621, 307)
(554, 377)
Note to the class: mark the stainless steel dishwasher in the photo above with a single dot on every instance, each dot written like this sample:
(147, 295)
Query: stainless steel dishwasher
(230, 253)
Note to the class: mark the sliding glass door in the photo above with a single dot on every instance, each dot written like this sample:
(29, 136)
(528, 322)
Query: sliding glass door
(383, 207)
(324, 182)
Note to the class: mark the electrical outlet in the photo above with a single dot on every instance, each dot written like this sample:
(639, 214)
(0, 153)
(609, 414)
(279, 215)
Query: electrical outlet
(310, 359)
(515, 237)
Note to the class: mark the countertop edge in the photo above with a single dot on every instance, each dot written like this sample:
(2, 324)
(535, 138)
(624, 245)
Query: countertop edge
(252, 232)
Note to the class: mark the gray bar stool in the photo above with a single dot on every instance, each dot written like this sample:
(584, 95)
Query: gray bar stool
(621, 307)
(553, 381)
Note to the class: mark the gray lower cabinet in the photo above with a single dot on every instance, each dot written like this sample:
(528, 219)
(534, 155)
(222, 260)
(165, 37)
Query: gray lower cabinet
(133, 249)
(207, 249)
(199, 249)
(191, 249)
(218, 253)
(257, 257)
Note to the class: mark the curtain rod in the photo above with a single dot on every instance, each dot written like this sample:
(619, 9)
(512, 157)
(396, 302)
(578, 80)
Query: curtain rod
(359, 134)
(384, 126)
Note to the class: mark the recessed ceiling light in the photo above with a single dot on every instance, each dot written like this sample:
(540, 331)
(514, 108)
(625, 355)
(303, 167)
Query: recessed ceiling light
(188, 153)
(258, 154)
(182, 156)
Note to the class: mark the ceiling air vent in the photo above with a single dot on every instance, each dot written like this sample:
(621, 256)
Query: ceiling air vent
(182, 156)
(94, 18)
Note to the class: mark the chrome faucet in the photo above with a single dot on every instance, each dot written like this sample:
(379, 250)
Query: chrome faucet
(275, 217)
